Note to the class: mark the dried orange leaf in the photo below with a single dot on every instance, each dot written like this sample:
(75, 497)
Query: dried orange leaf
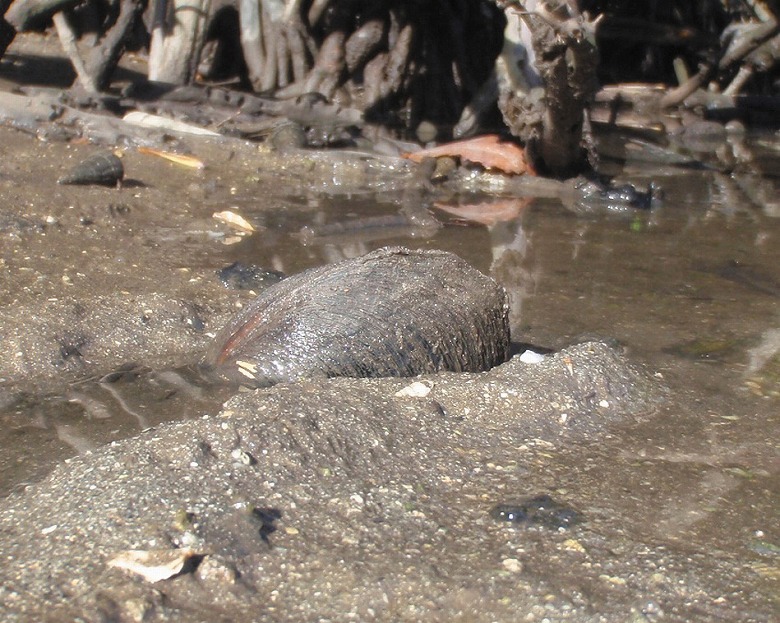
(487, 213)
(235, 220)
(489, 151)
(187, 161)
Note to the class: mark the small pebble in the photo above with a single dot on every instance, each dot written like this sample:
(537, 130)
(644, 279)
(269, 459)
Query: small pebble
(513, 565)
(530, 356)
(238, 276)
(288, 137)
(216, 570)
(240, 456)
(418, 389)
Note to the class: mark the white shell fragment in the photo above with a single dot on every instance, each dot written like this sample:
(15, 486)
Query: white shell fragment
(234, 220)
(418, 389)
(247, 368)
(529, 356)
(153, 565)
(164, 123)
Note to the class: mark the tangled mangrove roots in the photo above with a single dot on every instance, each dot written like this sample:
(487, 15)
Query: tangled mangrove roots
(434, 69)
(401, 62)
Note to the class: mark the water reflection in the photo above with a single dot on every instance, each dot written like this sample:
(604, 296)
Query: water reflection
(39, 431)
(763, 353)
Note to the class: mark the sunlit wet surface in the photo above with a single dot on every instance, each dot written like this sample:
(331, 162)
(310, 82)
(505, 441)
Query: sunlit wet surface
(691, 288)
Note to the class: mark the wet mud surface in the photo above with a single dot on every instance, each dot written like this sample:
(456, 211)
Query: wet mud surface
(655, 421)
(320, 498)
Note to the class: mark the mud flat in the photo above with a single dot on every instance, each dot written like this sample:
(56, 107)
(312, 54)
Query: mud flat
(321, 500)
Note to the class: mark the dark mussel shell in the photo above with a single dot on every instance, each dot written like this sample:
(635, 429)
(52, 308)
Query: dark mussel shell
(103, 168)
(393, 312)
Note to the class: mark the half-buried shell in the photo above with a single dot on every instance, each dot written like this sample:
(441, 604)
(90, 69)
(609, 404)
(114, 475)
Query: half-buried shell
(393, 312)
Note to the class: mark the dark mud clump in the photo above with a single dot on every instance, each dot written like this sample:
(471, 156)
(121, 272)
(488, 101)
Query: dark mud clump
(540, 510)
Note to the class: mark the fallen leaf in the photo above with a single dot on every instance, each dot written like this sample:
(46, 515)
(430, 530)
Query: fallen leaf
(487, 213)
(489, 150)
(187, 161)
(234, 219)
(153, 565)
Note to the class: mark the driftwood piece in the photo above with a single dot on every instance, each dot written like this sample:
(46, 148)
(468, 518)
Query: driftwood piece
(744, 38)
(237, 114)
(94, 71)
(26, 14)
(641, 108)
(26, 113)
(277, 47)
(43, 113)
(52, 113)
(7, 34)
(178, 32)
(103, 59)
(252, 41)
(548, 79)
(68, 40)
(247, 111)
(7, 31)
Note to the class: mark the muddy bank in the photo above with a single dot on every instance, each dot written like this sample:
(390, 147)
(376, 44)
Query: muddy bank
(332, 499)
(90, 281)
(385, 515)
(383, 512)
(97, 277)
